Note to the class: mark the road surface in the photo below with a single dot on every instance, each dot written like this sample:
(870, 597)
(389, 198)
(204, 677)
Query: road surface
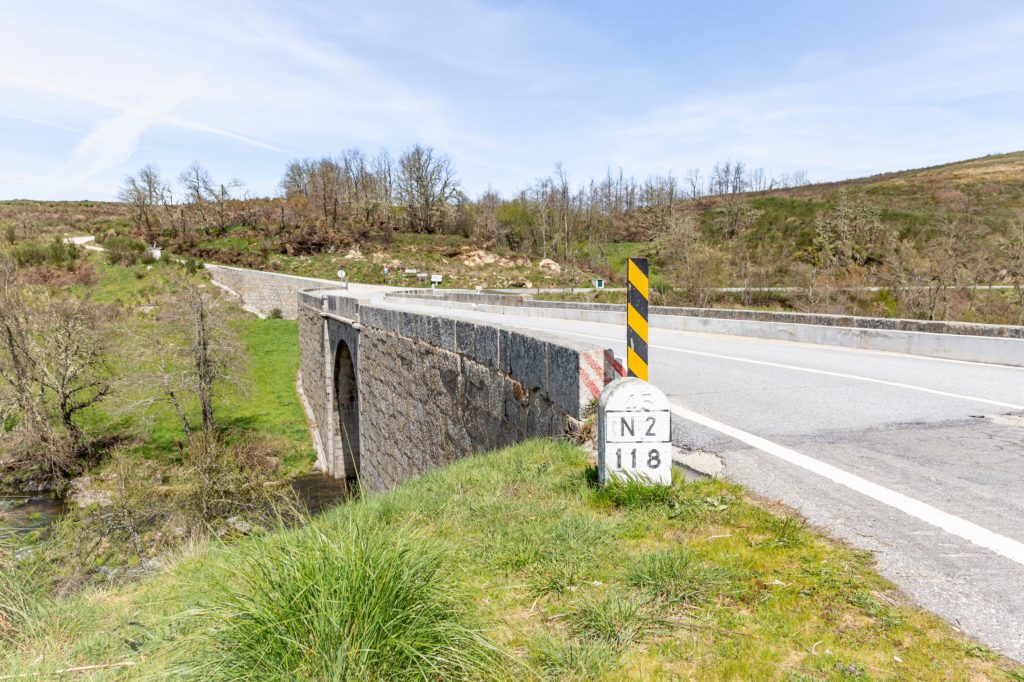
(920, 460)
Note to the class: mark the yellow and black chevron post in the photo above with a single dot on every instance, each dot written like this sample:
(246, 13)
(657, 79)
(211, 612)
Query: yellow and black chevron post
(637, 299)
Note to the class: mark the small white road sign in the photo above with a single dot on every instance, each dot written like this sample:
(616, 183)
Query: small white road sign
(634, 432)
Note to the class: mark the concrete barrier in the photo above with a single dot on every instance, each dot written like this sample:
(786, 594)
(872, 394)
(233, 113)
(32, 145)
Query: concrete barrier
(997, 344)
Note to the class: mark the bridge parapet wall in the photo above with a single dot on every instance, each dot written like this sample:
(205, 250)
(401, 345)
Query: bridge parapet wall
(262, 291)
(432, 389)
(965, 341)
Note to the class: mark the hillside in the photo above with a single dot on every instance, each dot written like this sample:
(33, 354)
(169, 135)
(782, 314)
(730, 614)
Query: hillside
(925, 237)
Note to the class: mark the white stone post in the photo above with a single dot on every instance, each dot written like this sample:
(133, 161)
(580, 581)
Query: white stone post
(634, 432)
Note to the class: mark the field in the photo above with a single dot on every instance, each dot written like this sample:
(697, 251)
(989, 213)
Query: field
(261, 398)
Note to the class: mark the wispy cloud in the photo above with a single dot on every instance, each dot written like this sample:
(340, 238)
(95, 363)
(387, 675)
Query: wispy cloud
(113, 141)
(838, 122)
(507, 89)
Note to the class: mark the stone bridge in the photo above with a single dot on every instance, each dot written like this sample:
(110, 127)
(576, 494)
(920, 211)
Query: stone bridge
(392, 393)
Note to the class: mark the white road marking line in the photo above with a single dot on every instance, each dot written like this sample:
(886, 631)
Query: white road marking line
(954, 525)
(841, 375)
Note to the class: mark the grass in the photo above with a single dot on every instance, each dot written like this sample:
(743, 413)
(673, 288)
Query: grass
(513, 564)
(262, 398)
(353, 603)
(269, 403)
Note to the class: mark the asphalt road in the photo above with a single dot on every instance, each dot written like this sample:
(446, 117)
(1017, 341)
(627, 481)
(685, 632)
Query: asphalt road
(919, 460)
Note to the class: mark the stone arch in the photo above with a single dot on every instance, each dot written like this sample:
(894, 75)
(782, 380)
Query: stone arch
(346, 415)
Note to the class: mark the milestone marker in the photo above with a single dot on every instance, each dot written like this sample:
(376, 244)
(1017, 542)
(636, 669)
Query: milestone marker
(634, 432)
(637, 301)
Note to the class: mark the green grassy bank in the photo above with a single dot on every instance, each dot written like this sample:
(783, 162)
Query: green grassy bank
(508, 565)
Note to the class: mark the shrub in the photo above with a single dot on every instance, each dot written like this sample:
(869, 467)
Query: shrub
(124, 250)
(233, 479)
(276, 314)
(56, 253)
(363, 603)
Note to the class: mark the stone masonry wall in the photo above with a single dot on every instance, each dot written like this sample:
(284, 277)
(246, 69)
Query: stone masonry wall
(433, 389)
(312, 367)
(262, 291)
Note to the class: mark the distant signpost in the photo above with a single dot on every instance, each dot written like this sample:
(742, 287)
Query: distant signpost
(634, 432)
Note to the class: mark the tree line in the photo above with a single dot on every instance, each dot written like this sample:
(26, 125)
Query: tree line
(334, 200)
(705, 230)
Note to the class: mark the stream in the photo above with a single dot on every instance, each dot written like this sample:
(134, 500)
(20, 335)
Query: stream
(23, 514)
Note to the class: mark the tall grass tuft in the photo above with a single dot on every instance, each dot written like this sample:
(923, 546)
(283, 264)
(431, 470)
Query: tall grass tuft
(617, 618)
(626, 492)
(573, 659)
(676, 577)
(362, 602)
(23, 598)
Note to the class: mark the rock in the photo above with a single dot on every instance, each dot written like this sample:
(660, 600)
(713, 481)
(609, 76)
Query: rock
(479, 257)
(354, 254)
(42, 485)
(550, 266)
(239, 524)
(24, 553)
(83, 492)
(151, 565)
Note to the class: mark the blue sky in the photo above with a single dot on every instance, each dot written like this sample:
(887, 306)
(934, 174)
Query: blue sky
(92, 90)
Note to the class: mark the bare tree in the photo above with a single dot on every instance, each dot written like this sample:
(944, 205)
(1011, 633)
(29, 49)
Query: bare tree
(426, 185)
(695, 266)
(694, 183)
(210, 199)
(54, 365)
(199, 352)
(204, 331)
(147, 194)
